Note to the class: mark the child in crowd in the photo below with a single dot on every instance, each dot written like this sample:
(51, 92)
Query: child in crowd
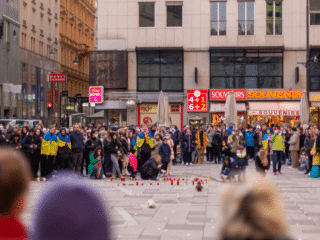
(227, 170)
(241, 162)
(303, 160)
(262, 160)
(133, 164)
(15, 175)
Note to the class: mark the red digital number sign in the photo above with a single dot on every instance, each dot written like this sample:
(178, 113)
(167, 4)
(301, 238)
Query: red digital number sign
(197, 100)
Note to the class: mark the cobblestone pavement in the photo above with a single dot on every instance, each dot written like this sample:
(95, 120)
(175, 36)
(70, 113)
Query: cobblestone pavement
(183, 213)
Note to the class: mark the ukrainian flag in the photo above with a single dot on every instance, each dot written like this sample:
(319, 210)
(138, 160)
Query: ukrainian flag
(133, 144)
(144, 136)
(265, 141)
(64, 141)
(49, 144)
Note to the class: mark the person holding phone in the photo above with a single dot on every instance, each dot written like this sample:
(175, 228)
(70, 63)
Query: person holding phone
(95, 169)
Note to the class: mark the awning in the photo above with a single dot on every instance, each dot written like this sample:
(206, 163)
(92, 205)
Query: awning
(274, 108)
(99, 114)
(112, 105)
(221, 107)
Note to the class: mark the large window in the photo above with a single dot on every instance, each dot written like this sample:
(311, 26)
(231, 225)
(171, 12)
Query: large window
(160, 70)
(246, 18)
(245, 69)
(314, 12)
(218, 16)
(174, 14)
(274, 18)
(314, 70)
(314, 18)
(146, 14)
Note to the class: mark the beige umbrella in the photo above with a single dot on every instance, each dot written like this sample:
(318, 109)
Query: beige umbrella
(231, 110)
(304, 110)
(167, 121)
(160, 110)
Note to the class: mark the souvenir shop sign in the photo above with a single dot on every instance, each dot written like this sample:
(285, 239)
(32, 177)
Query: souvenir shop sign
(275, 113)
(96, 94)
(274, 94)
(222, 94)
(197, 100)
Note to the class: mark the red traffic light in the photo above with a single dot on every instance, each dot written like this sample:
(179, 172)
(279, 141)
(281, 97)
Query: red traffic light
(49, 105)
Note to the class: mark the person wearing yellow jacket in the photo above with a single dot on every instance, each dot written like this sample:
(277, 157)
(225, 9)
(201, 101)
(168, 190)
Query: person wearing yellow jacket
(49, 148)
(278, 148)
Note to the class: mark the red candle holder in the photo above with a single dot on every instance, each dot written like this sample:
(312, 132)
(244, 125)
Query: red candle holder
(111, 179)
(192, 183)
(141, 184)
(157, 183)
(123, 179)
(150, 184)
(137, 183)
(178, 182)
(171, 182)
(182, 179)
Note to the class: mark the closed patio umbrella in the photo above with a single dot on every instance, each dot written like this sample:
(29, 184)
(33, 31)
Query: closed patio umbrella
(160, 110)
(167, 121)
(304, 110)
(231, 110)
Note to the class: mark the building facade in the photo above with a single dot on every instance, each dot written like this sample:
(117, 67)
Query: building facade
(255, 47)
(39, 36)
(10, 86)
(77, 37)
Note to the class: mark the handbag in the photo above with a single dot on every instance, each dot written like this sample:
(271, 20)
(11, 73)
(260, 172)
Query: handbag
(145, 148)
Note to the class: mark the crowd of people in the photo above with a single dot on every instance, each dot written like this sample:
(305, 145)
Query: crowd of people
(99, 151)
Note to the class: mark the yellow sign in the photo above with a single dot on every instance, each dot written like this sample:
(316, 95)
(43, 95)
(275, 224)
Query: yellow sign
(274, 94)
(315, 96)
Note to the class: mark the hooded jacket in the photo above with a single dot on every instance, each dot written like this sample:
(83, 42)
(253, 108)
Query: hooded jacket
(71, 209)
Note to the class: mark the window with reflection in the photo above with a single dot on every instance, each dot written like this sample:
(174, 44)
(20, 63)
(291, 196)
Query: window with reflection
(146, 14)
(160, 70)
(174, 15)
(245, 18)
(274, 17)
(218, 18)
(314, 69)
(246, 69)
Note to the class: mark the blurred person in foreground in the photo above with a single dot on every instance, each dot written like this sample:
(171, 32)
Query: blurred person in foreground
(71, 209)
(253, 212)
(15, 176)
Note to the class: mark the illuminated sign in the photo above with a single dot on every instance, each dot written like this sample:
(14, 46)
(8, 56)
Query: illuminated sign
(197, 100)
(96, 94)
(315, 96)
(275, 113)
(53, 77)
(221, 94)
(274, 94)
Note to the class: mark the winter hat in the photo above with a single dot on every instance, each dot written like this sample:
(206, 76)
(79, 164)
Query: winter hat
(71, 209)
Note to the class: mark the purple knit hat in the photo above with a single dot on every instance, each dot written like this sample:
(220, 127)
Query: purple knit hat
(71, 209)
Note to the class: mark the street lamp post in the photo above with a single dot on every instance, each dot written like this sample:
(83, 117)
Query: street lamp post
(75, 62)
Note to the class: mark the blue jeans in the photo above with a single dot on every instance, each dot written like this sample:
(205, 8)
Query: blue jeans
(277, 158)
(115, 167)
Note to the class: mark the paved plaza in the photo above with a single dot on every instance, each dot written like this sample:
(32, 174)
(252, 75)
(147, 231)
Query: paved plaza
(183, 213)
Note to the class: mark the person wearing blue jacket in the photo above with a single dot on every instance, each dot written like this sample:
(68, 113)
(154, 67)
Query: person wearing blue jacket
(229, 129)
(250, 143)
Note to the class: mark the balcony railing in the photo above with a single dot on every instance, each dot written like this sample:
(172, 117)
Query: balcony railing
(274, 27)
(246, 27)
(218, 27)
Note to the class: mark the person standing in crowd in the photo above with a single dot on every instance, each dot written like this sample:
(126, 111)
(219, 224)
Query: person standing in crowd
(125, 151)
(24, 133)
(95, 169)
(145, 145)
(241, 163)
(77, 146)
(175, 137)
(201, 144)
(209, 148)
(171, 145)
(216, 145)
(107, 165)
(230, 128)
(257, 138)
(262, 160)
(115, 153)
(267, 141)
(49, 149)
(188, 145)
(31, 146)
(308, 144)
(64, 150)
(278, 148)
(165, 153)
(156, 144)
(301, 138)
(234, 143)
(15, 178)
(16, 142)
(294, 148)
(250, 142)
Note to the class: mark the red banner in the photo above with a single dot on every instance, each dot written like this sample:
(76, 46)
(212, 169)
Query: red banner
(57, 77)
(197, 100)
(221, 94)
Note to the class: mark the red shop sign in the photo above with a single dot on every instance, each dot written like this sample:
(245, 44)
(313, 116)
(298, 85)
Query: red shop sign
(53, 77)
(221, 94)
(197, 100)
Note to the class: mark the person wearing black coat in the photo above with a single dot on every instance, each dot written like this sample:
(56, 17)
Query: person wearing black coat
(3, 140)
(16, 142)
(115, 153)
(262, 162)
(107, 165)
(188, 142)
(151, 168)
(165, 153)
(216, 145)
(31, 145)
(89, 147)
(175, 137)
(64, 153)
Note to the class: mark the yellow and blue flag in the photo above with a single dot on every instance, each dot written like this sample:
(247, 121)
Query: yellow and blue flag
(64, 140)
(265, 140)
(49, 144)
(144, 136)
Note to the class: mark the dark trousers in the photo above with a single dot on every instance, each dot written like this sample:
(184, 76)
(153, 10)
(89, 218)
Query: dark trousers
(277, 158)
(46, 165)
(107, 165)
(76, 161)
(187, 157)
(250, 152)
(209, 154)
(216, 156)
(144, 157)
(175, 154)
(256, 150)
(34, 163)
(164, 166)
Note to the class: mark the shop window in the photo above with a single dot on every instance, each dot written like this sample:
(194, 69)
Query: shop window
(245, 69)
(146, 14)
(160, 70)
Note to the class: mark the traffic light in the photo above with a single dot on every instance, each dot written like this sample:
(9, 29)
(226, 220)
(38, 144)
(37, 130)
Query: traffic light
(49, 105)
